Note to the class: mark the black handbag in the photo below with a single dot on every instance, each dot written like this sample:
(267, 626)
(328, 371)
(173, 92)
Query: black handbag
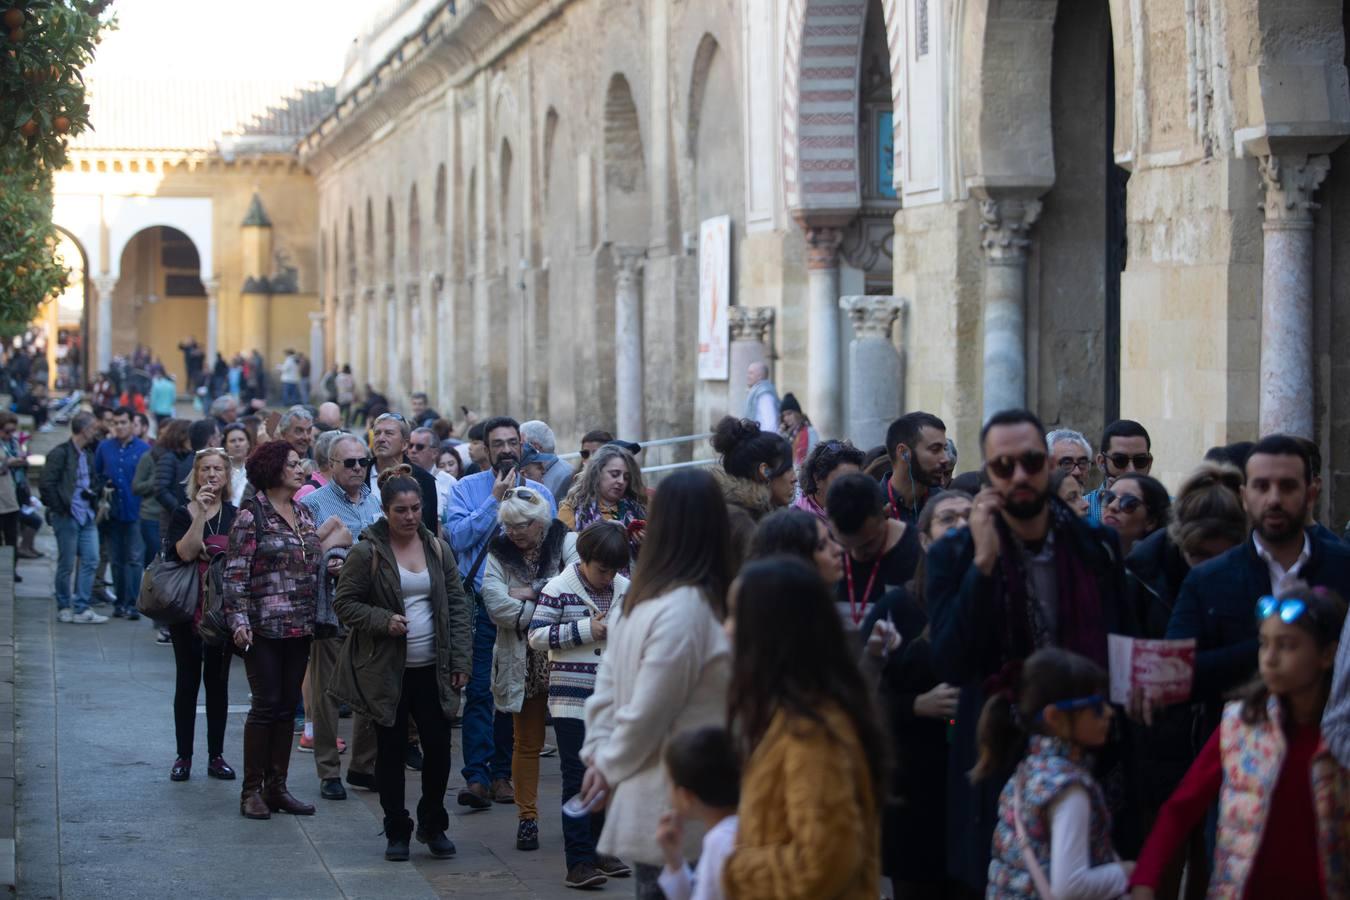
(169, 592)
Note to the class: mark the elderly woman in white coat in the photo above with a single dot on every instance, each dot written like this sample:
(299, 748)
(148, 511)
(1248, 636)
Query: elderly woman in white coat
(532, 549)
(666, 669)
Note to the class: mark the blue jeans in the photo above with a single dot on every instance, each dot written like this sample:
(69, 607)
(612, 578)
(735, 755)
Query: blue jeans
(149, 540)
(126, 559)
(487, 734)
(74, 539)
(290, 394)
(579, 835)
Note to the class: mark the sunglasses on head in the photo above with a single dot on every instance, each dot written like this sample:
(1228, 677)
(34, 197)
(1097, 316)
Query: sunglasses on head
(358, 462)
(524, 493)
(1289, 611)
(1127, 503)
(1095, 702)
(397, 417)
(1140, 461)
(1032, 463)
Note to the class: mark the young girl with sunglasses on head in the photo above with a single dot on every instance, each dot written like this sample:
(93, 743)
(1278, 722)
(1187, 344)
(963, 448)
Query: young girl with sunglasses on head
(1053, 833)
(1281, 793)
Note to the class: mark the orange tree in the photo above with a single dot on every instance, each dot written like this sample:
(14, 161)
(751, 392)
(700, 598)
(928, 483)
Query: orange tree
(44, 45)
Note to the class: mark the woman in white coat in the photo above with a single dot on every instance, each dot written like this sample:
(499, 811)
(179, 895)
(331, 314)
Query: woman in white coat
(534, 548)
(666, 669)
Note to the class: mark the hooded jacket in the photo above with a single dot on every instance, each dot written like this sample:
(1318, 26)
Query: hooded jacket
(747, 502)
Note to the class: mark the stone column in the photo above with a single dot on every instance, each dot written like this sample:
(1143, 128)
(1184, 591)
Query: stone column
(628, 361)
(823, 403)
(318, 365)
(1004, 238)
(341, 331)
(104, 286)
(426, 338)
(389, 332)
(1287, 293)
(212, 321)
(410, 379)
(370, 317)
(751, 341)
(876, 382)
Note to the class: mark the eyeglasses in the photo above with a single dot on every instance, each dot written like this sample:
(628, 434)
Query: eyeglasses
(358, 462)
(1095, 702)
(1032, 463)
(1069, 463)
(516, 527)
(1139, 462)
(524, 493)
(1289, 610)
(1126, 503)
(585, 454)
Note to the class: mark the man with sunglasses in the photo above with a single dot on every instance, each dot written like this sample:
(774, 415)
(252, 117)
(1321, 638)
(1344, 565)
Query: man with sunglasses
(591, 442)
(1027, 574)
(389, 439)
(471, 522)
(1126, 447)
(1215, 603)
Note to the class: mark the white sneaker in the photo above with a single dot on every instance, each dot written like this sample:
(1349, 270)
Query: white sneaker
(46, 429)
(89, 617)
(65, 615)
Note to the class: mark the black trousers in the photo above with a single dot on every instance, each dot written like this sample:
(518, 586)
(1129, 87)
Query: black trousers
(197, 663)
(420, 699)
(276, 669)
(9, 529)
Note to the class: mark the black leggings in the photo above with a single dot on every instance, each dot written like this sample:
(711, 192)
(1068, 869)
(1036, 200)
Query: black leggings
(420, 698)
(276, 669)
(198, 663)
(9, 528)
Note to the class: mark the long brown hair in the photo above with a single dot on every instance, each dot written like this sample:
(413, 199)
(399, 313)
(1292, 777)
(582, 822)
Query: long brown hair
(172, 436)
(688, 543)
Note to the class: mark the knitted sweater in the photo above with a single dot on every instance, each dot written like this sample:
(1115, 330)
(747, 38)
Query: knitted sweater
(562, 626)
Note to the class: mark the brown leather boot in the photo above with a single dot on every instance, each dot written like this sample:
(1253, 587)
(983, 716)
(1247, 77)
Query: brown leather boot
(257, 750)
(276, 795)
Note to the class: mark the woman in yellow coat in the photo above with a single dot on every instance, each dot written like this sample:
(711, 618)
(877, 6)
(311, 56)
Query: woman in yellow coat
(810, 816)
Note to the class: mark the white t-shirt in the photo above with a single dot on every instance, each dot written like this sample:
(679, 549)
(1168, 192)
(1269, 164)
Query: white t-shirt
(705, 884)
(421, 626)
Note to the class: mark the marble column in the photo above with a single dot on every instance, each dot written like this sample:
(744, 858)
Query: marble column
(1004, 236)
(751, 342)
(628, 361)
(823, 403)
(104, 287)
(1287, 292)
(410, 379)
(876, 382)
(318, 364)
(370, 316)
(393, 386)
(212, 321)
(426, 362)
(342, 331)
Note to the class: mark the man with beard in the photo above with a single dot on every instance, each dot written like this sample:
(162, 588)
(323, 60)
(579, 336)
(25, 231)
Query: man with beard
(1126, 447)
(1027, 574)
(1217, 600)
(471, 520)
(916, 445)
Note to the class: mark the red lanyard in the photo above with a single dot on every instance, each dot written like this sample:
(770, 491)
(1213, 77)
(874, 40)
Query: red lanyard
(856, 613)
(890, 494)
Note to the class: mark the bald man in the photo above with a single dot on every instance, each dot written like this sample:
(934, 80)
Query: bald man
(761, 403)
(330, 415)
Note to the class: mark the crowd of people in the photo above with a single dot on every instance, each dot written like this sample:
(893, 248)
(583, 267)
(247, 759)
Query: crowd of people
(817, 670)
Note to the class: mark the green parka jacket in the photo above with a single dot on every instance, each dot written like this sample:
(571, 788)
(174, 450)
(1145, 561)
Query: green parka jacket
(369, 675)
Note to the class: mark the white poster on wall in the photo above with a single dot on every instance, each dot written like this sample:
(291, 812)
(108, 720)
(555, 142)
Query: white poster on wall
(714, 297)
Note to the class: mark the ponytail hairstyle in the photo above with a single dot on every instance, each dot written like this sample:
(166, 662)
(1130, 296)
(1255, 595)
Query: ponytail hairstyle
(1011, 716)
(744, 448)
(1323, 618)
(396, 480)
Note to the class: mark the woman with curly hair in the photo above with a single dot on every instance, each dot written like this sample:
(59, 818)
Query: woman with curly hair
(271, 584)
(756, 477)
(827, 462)
(610, 489)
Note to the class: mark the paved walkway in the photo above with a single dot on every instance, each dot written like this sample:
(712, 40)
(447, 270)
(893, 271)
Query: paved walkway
(97, 817)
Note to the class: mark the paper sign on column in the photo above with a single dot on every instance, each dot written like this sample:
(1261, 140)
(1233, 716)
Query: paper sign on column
(1160, 670)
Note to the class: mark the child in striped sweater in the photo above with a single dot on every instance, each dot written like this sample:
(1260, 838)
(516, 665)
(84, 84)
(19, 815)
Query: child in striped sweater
(571, 621)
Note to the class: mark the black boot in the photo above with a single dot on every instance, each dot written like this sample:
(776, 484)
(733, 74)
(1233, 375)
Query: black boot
(431, 831)
(278, 798)
(397, 830)
(257, 748)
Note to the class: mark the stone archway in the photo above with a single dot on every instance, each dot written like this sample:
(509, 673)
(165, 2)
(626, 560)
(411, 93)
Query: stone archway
(158, 301)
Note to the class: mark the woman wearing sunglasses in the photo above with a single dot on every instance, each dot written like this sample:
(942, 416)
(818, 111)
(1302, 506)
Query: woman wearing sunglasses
(1282, 806)
(1135, 506)
(533, 547)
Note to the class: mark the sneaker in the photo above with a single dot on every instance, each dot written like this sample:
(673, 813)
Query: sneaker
(133, 616)
(584, 875)
(89, 617)
(612, 867)
(306, 744)
(65, 615)
(46, 428)
(548, 750)
(474, 795)
(164, 639)
(502, 791)
(299, 725)
(527, 835)
(413, 758)
(438, 845)
(341, 745)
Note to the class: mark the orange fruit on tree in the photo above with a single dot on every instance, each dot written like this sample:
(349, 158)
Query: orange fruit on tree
(16, 34)
(21, 271)
(61, 124)
(13, 18)
(28, 129)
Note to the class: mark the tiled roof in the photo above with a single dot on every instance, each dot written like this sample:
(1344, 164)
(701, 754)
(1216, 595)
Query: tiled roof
(185, 114)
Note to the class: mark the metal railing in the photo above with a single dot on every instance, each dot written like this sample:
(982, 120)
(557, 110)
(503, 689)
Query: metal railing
(665, 442)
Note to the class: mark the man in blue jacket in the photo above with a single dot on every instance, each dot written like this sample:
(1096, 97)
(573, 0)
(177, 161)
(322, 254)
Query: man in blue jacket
(471, 521)
(1217, 601)
(115, 464)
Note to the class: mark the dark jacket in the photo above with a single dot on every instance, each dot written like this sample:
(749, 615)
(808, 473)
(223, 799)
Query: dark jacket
(171, 474)
(427, 482)
(56, 487)
(967, 612)
(143, 483)
(369, 670)
(747, 502)
(1217, 607)
(1154, 572)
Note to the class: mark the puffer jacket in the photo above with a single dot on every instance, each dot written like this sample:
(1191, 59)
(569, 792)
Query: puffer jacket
(747, 502)
(369, 672)
(504, 572)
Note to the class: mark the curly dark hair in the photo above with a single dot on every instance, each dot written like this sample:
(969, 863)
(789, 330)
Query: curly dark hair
(825, 458)
(744, 447)
(266, 465)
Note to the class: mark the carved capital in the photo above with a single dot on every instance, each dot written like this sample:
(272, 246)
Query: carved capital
(1005, 231)
(437, 282)
(414, 291)
(317, 318)
(873, 315)
(822, 245)
(212, 289)
(628, 262)
(368, 294)
(391, 291)
(1290, 182)
(751, 323)
(105, 285)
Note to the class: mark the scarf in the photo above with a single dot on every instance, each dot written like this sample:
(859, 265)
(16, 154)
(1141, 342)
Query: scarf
(625, 513)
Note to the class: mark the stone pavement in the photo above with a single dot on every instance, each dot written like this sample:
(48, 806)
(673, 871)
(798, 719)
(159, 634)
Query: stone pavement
(96, 814)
